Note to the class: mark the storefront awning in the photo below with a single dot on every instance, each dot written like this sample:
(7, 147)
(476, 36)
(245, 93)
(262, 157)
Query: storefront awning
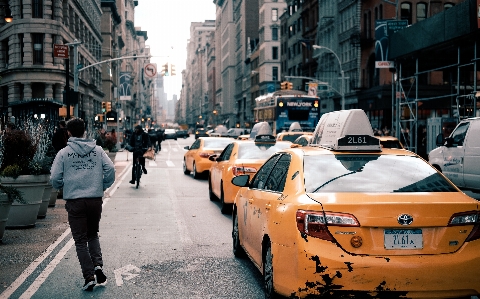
(37, 101)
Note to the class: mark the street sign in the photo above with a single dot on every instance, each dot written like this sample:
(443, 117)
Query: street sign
(60, 51)
(150, 70)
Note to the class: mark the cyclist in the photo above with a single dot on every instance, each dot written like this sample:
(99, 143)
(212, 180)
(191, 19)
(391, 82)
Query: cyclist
(140, 142)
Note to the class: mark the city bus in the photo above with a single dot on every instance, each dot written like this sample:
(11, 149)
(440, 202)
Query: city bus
(284, 107)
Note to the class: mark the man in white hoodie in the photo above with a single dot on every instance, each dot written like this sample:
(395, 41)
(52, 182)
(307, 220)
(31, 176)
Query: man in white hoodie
(84, 171)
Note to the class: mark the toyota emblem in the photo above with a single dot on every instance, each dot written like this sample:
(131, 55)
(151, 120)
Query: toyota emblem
(405, 219)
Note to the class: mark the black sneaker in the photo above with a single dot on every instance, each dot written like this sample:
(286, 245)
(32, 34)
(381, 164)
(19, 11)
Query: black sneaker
(144, 170)
(101, 278)
(132, 182)
(89, 284)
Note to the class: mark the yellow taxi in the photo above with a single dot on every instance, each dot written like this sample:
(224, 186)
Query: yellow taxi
(344, 216)
(303, 140)
(239, 157)
(294, 132)
(390, 142)
(196, 160)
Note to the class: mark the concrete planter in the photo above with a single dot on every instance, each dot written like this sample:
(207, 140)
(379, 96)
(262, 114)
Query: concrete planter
(42, 212)
(53, 198)
(5, 206)
(32, 188)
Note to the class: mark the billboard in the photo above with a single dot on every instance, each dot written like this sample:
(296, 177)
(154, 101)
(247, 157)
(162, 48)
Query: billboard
(384, 29)
(125, 88)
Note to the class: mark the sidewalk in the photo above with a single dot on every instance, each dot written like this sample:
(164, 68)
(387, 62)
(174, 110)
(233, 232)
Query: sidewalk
(20, 247)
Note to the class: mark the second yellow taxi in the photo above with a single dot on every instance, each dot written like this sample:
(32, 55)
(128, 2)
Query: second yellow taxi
(346, 218)
(239, 157)
(196, 158)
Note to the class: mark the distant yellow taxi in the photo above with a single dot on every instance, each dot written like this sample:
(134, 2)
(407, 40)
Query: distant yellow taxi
(239, 157)
(390, 142)
(196, 160)
(303, 140)
(344, 216)
(295, 131)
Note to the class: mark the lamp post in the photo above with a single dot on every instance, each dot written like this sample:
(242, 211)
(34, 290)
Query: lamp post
(341, 71)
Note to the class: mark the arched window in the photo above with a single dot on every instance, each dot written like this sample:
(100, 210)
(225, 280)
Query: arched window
(447, 5)
(406, 12)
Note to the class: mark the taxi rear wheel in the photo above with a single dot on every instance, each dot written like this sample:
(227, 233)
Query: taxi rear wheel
(185, 170)
(224, 208)
(237, 248)
(268, 274)
(196, 175)
(212, 195)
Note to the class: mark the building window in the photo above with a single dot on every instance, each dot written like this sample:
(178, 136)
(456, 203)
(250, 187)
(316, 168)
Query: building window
(37, 8)
(421, 11)
(274, 14)
(275, 53)
(275, 73)
(447, 5)
(406, 12)
(275, 33)
(37, 46)
(20, 39)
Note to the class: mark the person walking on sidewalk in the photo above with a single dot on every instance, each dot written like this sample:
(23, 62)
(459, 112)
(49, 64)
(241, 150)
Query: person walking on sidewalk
(84, 171)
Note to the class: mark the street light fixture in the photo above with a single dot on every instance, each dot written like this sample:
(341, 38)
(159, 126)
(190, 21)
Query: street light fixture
(341, 71)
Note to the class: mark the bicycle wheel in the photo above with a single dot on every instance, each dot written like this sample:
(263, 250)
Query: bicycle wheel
(138, 173)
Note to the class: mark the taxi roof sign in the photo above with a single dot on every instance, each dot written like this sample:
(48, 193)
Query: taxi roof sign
(295, 127)
(262, 128)
(264, 138)
(347, 130)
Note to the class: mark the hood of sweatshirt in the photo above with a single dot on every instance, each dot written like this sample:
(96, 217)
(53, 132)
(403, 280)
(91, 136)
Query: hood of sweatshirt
(81, 146)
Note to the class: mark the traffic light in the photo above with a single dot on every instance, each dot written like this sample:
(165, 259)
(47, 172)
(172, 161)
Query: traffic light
(289, 85)
(104, 107)
(165, 69)
(284, 85)
(109, 106)
(172, 70)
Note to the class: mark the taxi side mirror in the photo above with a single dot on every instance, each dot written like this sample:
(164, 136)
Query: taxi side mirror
(213, 157)
(440, 140)
(186, 147)
(241, 180)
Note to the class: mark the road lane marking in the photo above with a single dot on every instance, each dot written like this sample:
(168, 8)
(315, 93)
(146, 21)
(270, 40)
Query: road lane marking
(125, 271)
(26, 273)
(170, 163)
(48, 270)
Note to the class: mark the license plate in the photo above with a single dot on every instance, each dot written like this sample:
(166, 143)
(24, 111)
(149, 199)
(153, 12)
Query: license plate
(403, 239)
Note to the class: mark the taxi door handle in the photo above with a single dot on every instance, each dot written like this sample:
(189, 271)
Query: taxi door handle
(268, 206)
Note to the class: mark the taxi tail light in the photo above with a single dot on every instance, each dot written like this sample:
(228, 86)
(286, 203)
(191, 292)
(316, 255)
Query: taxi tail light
(240, 170)
(315, 223)
(204, 155)
(467, 218)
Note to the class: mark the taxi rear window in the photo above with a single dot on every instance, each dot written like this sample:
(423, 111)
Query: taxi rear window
(260, 151)
(371, 173)
(216, 142)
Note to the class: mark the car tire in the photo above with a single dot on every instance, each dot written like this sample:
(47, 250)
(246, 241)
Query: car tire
(196, 175)
(212, 195)
(185, 170)
(224, 208)
(237, 248)
(268, 273)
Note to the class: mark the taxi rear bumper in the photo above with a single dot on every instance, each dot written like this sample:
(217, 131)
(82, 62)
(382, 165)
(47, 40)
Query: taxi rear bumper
(320, 267)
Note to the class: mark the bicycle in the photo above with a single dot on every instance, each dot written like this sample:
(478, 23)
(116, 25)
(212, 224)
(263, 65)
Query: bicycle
(137, 167)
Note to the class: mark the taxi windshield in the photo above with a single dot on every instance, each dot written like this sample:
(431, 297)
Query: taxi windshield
(371, 173)
(250, 150)
(216, 142)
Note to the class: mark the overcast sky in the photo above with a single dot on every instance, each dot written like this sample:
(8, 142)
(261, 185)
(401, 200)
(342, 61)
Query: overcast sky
(168, 29)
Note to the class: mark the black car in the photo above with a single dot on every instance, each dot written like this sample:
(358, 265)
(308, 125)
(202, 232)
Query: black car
(170, 134)
(200, 132)
(182, 134)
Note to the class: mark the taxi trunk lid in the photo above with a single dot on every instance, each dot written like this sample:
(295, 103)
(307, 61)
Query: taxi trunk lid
(389, 225)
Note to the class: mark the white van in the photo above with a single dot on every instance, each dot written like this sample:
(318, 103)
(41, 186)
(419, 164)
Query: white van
(458, 156)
